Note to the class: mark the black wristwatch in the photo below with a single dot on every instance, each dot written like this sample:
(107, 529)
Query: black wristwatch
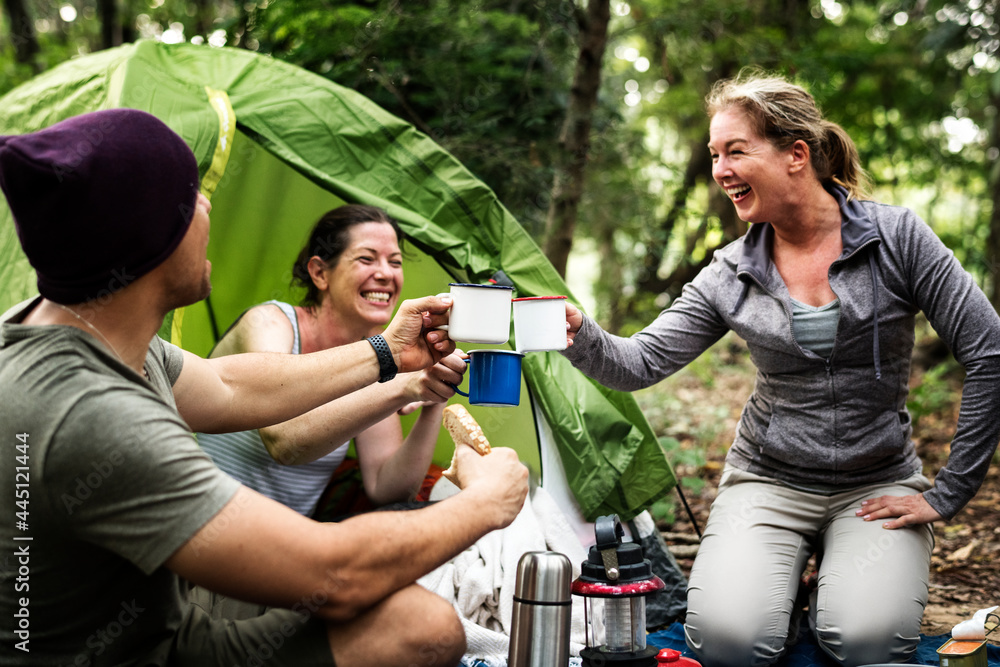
(387, 368)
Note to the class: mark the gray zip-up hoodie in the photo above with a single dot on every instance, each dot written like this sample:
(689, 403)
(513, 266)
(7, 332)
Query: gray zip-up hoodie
(842, 420)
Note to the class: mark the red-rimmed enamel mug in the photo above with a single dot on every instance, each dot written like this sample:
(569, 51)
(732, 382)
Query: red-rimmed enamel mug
(540, 323)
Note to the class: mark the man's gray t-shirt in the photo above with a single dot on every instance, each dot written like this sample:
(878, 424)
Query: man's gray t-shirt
(116, 482)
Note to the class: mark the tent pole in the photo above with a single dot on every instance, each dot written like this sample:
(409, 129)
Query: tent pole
(688, 508)
(211, 321)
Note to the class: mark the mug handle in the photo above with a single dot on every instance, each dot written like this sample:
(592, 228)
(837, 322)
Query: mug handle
(467, 361)
(444, 327)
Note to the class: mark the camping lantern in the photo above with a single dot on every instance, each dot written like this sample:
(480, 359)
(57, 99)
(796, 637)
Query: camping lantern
(613, 582)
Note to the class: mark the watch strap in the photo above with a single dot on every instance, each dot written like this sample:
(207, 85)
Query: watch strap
(387, 368)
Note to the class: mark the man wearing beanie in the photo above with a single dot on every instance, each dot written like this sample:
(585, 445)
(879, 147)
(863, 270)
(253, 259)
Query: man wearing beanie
(117, 508)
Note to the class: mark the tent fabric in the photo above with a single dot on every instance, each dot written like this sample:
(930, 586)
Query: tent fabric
(240, 112)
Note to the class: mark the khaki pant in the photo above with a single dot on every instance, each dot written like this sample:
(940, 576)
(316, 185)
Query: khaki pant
(872, 585)
(224, 632)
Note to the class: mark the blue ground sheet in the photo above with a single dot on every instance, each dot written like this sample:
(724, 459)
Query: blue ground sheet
(806, 653)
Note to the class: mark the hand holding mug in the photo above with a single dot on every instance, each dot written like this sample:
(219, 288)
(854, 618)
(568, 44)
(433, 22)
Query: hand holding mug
(540, 323)
(574, 320)
(479, 313)
(412, 347)
(435, 384)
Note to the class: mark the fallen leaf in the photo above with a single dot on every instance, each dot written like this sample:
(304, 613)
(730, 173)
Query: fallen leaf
(964, 552)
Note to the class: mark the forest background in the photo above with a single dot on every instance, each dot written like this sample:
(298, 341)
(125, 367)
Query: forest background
(587, 120)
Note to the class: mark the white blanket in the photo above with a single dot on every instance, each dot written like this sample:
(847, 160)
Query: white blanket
(479, 582)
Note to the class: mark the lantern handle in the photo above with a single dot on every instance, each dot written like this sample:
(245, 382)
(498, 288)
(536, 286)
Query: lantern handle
(609, 532)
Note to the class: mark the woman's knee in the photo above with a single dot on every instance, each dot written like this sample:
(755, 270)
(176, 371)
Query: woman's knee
(733, 641)
(863, 640)
(734, 621)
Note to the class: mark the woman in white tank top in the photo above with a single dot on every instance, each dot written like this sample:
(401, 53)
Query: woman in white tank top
(353, 274)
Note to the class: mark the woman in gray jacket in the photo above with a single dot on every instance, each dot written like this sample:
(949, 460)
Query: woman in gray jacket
(824, 288)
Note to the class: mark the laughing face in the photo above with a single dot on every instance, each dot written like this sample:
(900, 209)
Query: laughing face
(364, 284)
(751, 171)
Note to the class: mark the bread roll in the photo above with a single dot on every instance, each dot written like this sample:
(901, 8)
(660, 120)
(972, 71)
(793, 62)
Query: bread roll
(464, 430)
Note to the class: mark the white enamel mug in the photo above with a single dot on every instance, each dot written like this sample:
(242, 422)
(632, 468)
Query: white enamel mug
(479, 313)
(540, 323)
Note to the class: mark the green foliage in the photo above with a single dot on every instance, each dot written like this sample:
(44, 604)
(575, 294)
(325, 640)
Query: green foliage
(58, 40)
(916, 83)
(888, 72)
(677, 408)
(488, 81)
(665, 509)
(934, 392)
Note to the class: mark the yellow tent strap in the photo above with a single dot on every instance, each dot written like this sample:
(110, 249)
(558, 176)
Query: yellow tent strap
(227, 130)
(219, 101)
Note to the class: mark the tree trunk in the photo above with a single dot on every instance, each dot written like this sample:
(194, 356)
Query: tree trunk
(611, 284)
(993, 240)
(111, 29)
(126, 22)
(22, 32)
(202, 18)
(699, 164)
(567, 187)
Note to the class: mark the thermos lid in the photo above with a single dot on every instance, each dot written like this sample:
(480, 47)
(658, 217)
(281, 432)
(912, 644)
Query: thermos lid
(543, 576)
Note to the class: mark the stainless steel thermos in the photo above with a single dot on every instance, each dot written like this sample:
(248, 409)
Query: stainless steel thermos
(542, 610)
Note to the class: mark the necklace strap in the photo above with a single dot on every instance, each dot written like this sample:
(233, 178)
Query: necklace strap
(101, 335)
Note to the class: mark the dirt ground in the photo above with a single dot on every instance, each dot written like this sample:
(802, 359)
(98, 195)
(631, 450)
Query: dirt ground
(965, 574)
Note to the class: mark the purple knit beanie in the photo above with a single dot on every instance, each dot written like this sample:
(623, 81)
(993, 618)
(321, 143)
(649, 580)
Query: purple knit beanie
(98, 200)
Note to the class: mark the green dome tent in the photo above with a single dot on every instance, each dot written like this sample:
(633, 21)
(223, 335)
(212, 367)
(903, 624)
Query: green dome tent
(276, 147)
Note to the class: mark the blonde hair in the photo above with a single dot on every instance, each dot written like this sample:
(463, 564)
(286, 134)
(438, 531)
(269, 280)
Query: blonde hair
(784, 113)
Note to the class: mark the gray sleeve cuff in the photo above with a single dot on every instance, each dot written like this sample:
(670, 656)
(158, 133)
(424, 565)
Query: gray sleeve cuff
(583, 341)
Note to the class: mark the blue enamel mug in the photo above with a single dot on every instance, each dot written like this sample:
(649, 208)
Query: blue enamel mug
(494, 378)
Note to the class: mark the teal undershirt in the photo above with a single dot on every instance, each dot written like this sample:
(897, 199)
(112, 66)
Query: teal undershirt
(816, 326)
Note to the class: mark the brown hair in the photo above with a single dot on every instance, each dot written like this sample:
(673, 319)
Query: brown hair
(328, 241)
(784, 113)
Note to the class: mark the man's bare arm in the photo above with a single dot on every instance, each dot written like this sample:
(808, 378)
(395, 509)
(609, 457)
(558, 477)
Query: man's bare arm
(258, 550)
(247, 391)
